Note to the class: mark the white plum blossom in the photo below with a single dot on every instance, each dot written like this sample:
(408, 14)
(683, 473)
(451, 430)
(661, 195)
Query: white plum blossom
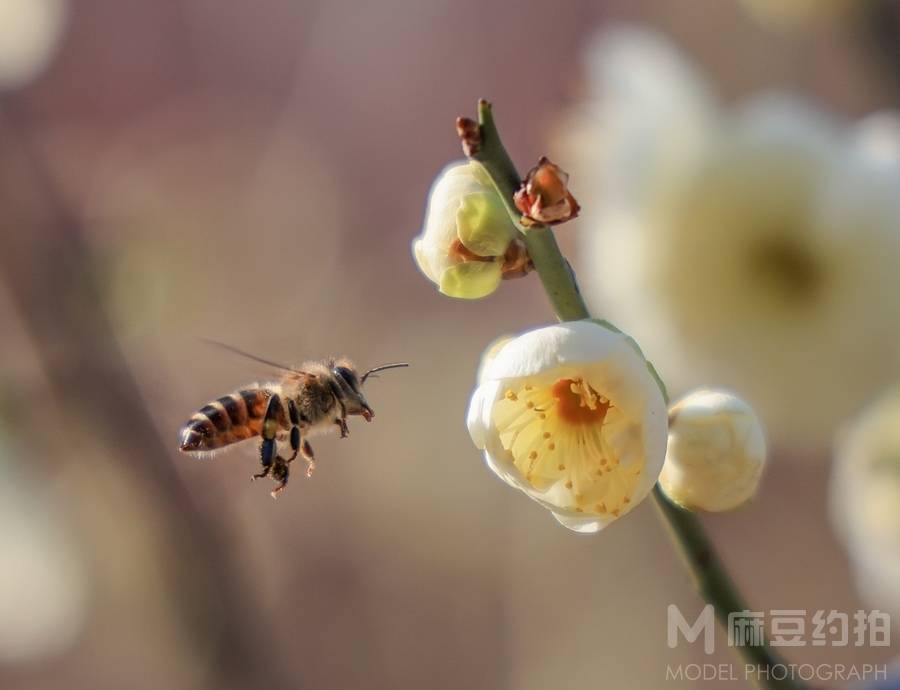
(865, 499)
(572, 415)
(716, 451)
(756, 246)
(45, 584)
(30, 34)
(465, 247)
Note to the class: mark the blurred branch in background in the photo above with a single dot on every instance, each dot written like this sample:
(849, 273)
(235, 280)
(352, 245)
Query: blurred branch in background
(46, 264)
(880, 32)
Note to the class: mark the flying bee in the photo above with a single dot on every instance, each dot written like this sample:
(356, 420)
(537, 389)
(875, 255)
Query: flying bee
(315, 398)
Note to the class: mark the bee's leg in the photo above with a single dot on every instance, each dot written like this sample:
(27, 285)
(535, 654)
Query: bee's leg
(267, 449)
(307, 451)
(280, 474)
(342, 420)
(295, 431)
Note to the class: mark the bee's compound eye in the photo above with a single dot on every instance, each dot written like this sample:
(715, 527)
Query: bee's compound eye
(348, 376)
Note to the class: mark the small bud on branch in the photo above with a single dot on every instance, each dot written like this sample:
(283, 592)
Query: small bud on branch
(516, 262)
(544, 197)
(470, 135)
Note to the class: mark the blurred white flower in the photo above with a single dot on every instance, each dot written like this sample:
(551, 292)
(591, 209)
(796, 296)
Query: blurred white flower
(468, 235)
(865, 499)
(716, 451)
(757, 248)
(43, 580)
(30, 32)
(571, 415)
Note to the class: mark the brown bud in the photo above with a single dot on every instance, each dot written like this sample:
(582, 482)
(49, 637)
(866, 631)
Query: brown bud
(469, 134)
(544, 196)
(516, 262)
(459, 252)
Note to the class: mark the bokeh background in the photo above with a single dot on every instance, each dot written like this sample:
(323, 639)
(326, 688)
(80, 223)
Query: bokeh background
(254, 173)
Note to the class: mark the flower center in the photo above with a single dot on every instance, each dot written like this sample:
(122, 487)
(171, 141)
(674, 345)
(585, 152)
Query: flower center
(787, 267)
(566, 438)
(578, 403)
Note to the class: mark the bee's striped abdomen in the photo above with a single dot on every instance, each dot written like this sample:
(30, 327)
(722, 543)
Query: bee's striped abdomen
(229, 419)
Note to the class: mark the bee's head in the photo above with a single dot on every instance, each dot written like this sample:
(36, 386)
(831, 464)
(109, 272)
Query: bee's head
(350, 386)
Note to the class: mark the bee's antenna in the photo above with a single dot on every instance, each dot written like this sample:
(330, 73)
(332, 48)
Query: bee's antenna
(255, 358)
(395, 365)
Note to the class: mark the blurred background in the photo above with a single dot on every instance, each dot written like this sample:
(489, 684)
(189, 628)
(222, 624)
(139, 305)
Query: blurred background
(254, 173)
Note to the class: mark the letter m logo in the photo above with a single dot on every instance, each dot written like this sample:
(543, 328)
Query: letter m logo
(705, 624)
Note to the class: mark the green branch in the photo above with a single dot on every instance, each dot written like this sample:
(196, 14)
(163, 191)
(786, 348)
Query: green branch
(555, 272)
(709, 574)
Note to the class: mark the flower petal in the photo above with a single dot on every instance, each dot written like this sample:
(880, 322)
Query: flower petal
(483, 224)
(423, 259)
(476, 421)
(573, 342)
(471, 280)
(584, 525)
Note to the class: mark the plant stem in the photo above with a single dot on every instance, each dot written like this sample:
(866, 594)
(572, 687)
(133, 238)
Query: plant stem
(555, 272)
(709, 574)
(711, 578)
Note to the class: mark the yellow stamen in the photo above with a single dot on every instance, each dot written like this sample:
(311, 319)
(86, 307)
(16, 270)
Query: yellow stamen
(581, 421)
(578, 403)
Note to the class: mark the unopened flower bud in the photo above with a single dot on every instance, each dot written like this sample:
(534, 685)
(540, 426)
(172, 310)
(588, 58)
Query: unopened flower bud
(544, 196)
(716, 451)
(469, 244)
